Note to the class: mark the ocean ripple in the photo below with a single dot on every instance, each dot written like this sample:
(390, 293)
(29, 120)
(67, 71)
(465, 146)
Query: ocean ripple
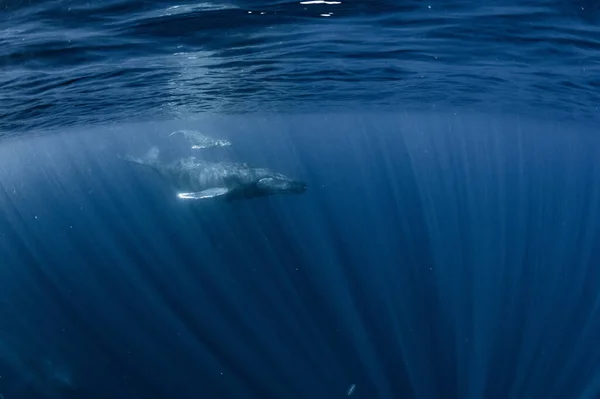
(68, 63)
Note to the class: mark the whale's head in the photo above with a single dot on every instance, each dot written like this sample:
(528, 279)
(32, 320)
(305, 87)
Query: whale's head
(280, 184)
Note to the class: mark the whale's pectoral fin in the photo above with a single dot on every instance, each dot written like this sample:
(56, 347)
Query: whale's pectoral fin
(204, 194)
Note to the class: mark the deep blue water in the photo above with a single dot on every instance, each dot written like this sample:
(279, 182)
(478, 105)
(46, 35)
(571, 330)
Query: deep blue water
(448, 245)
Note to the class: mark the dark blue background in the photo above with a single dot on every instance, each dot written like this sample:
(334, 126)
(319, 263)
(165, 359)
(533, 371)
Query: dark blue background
(450, 256)
(447, 246)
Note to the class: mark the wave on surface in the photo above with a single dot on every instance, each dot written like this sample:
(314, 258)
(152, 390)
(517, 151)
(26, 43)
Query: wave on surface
(79, 63)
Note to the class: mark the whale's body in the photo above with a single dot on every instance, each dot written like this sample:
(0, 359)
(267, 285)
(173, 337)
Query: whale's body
(197, 179)
(199, 140)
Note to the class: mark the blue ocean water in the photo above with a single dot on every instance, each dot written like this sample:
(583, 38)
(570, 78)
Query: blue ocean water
(71, 62)
(448, 245)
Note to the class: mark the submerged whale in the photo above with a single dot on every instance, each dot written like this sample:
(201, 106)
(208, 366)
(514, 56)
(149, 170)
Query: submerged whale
(196, 179)
(200, 141)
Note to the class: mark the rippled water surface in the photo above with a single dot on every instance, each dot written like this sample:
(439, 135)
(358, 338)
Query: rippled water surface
(79, 62)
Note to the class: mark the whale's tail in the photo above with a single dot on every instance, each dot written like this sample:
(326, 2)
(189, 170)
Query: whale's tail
(149, 159)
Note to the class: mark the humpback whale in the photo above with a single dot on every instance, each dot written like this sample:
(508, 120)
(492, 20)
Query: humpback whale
(200, 141)
(196, 179)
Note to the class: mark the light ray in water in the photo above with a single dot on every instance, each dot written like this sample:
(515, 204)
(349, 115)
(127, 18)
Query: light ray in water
(351, 389)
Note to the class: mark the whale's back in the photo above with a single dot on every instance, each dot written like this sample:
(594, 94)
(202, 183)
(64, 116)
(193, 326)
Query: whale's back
(192, 174)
